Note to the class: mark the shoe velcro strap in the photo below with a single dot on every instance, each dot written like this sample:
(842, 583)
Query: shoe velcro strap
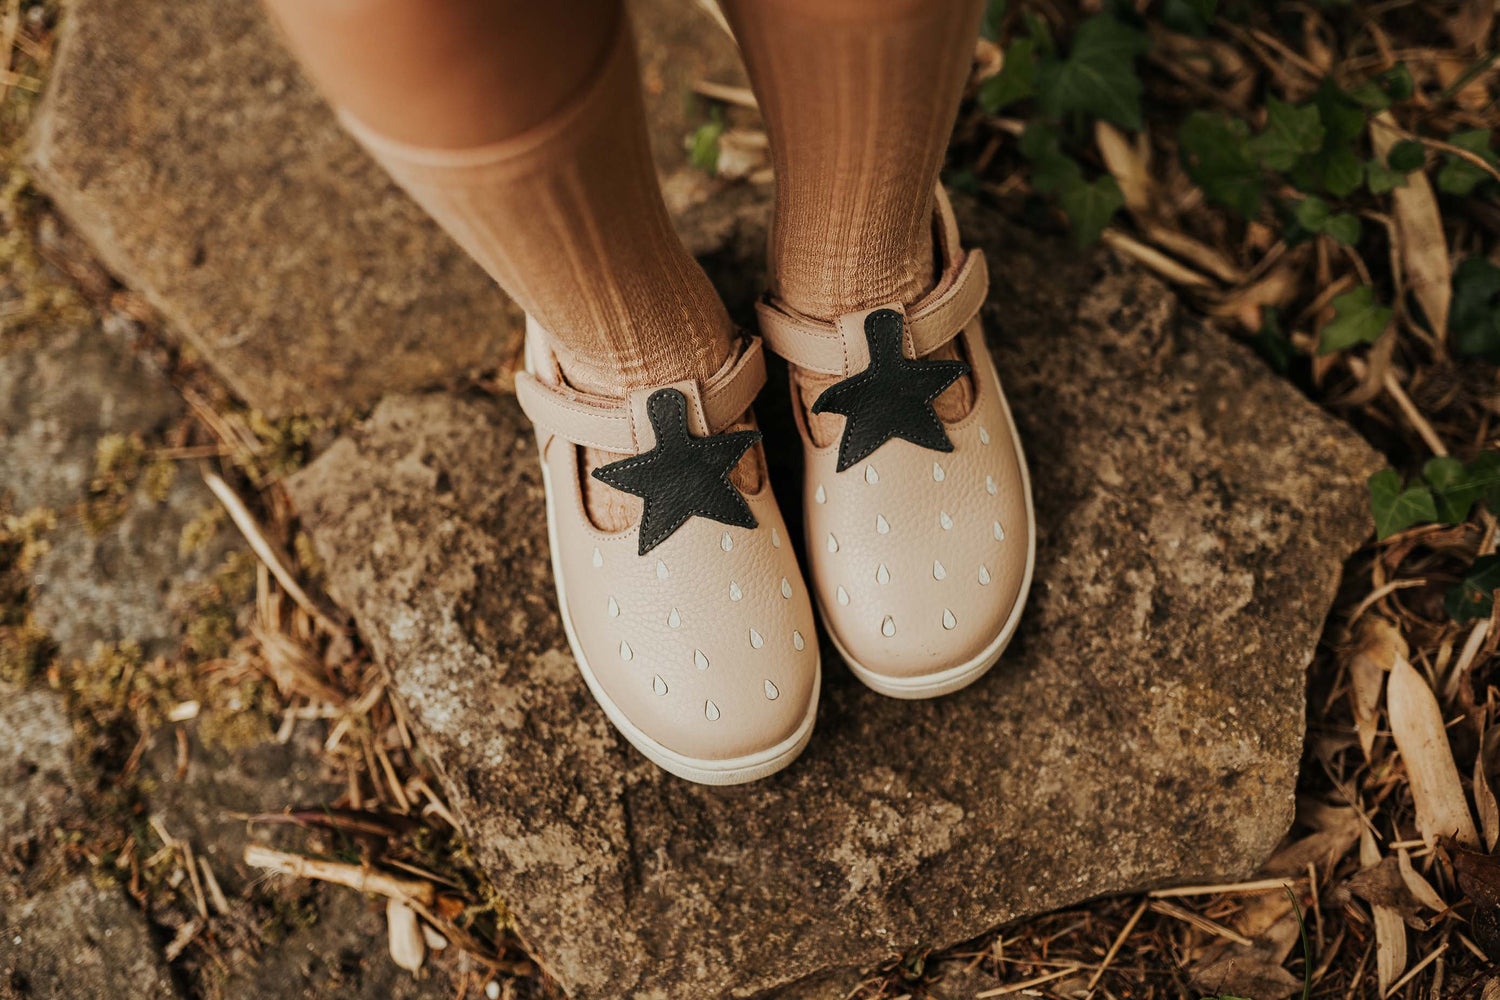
(818, 346)
(613, 425)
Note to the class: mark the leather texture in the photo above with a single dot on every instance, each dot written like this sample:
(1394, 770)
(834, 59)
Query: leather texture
(892, 397)
(920, 558)
(706, 645)
(681, 476)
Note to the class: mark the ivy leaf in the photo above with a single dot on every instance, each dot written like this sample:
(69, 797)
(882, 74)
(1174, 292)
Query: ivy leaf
(1457, 488)
(1343, 227)
(1474, 317)
(1016, 79)
(1290, 133)
(1397, 509)
(1343, 171)
(1397, 82)
(1098, 78)
(1090, 206)
(1357, 319)
(1452, 492)
(1335, 167)
(1459, 176)
(1213, 153)
(1052, 169)
(1474, 596)
(1371, 95)
(1380, 178)
(1406, 156)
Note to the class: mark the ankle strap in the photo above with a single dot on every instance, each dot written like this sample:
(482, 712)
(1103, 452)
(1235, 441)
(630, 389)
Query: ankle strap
(821, 346)
(621, 425)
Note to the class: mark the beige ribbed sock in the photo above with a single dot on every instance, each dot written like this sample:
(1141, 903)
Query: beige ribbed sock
(859, 98)
(569, 219)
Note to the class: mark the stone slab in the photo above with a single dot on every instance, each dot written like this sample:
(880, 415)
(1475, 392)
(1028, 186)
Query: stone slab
(62, 936)
(125, 578)
(81, 940)
(1144, 728)
(184, 143)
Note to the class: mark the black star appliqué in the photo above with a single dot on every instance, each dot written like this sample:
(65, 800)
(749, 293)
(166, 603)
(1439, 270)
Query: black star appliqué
(682, 476)
(892, 397)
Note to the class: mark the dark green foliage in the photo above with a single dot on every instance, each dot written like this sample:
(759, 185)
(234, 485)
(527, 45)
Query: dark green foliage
(1357, 319)
(1474, 317)
(1098, 76)
(1016, 79)
(1214, 153)
(1460, 176)
(1473, 596)
(1396, 508)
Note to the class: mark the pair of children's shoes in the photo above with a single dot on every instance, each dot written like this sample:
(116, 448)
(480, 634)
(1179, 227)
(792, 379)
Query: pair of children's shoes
(694, 628)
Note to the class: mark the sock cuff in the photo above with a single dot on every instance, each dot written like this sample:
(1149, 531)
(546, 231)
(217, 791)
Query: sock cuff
(572, 125)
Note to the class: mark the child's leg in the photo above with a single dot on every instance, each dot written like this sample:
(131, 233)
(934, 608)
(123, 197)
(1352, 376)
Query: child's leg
(520, 128)
(859, 99)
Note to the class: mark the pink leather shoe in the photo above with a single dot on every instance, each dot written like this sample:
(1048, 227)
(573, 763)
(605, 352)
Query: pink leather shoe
(919, 532)
(692, 628)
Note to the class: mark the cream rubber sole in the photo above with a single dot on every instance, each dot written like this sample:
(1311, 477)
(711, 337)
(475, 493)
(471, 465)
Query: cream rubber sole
(730, 771)
(954, 678)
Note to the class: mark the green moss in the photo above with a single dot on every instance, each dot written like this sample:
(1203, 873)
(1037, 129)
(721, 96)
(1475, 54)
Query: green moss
(201, 530)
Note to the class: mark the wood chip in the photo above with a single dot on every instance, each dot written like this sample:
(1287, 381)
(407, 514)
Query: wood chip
(1417, 725)
(1419, 227)
(408, 946)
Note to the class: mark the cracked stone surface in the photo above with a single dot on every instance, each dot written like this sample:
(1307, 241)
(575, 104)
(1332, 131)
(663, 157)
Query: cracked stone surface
(1144, 728)
(184, 143)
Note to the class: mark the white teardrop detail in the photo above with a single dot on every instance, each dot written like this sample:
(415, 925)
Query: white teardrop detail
(882, 575)
(755, 639)
(871, 476)
(711, 710)
(888, 627)
(625, 651)
(771, 692)
(614, 608)
(661, 570)
(725, 542)
(798, 643)
(775, 538)
(598, 558)
(843, 595)
(734, 591)
(699, 660)
(833, 543)
(882, 525)
(820, 495)
(786, 588)
(938, 573)
(674, 620)
(938, 475)
(984, 436)
(658, 685)
(999, 532)
(984, 575)
(945, 520)
(948, 620)
(989, 485)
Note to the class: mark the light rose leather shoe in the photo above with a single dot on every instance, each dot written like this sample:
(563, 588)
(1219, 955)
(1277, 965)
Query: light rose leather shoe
(919, 532)
(693, 628)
